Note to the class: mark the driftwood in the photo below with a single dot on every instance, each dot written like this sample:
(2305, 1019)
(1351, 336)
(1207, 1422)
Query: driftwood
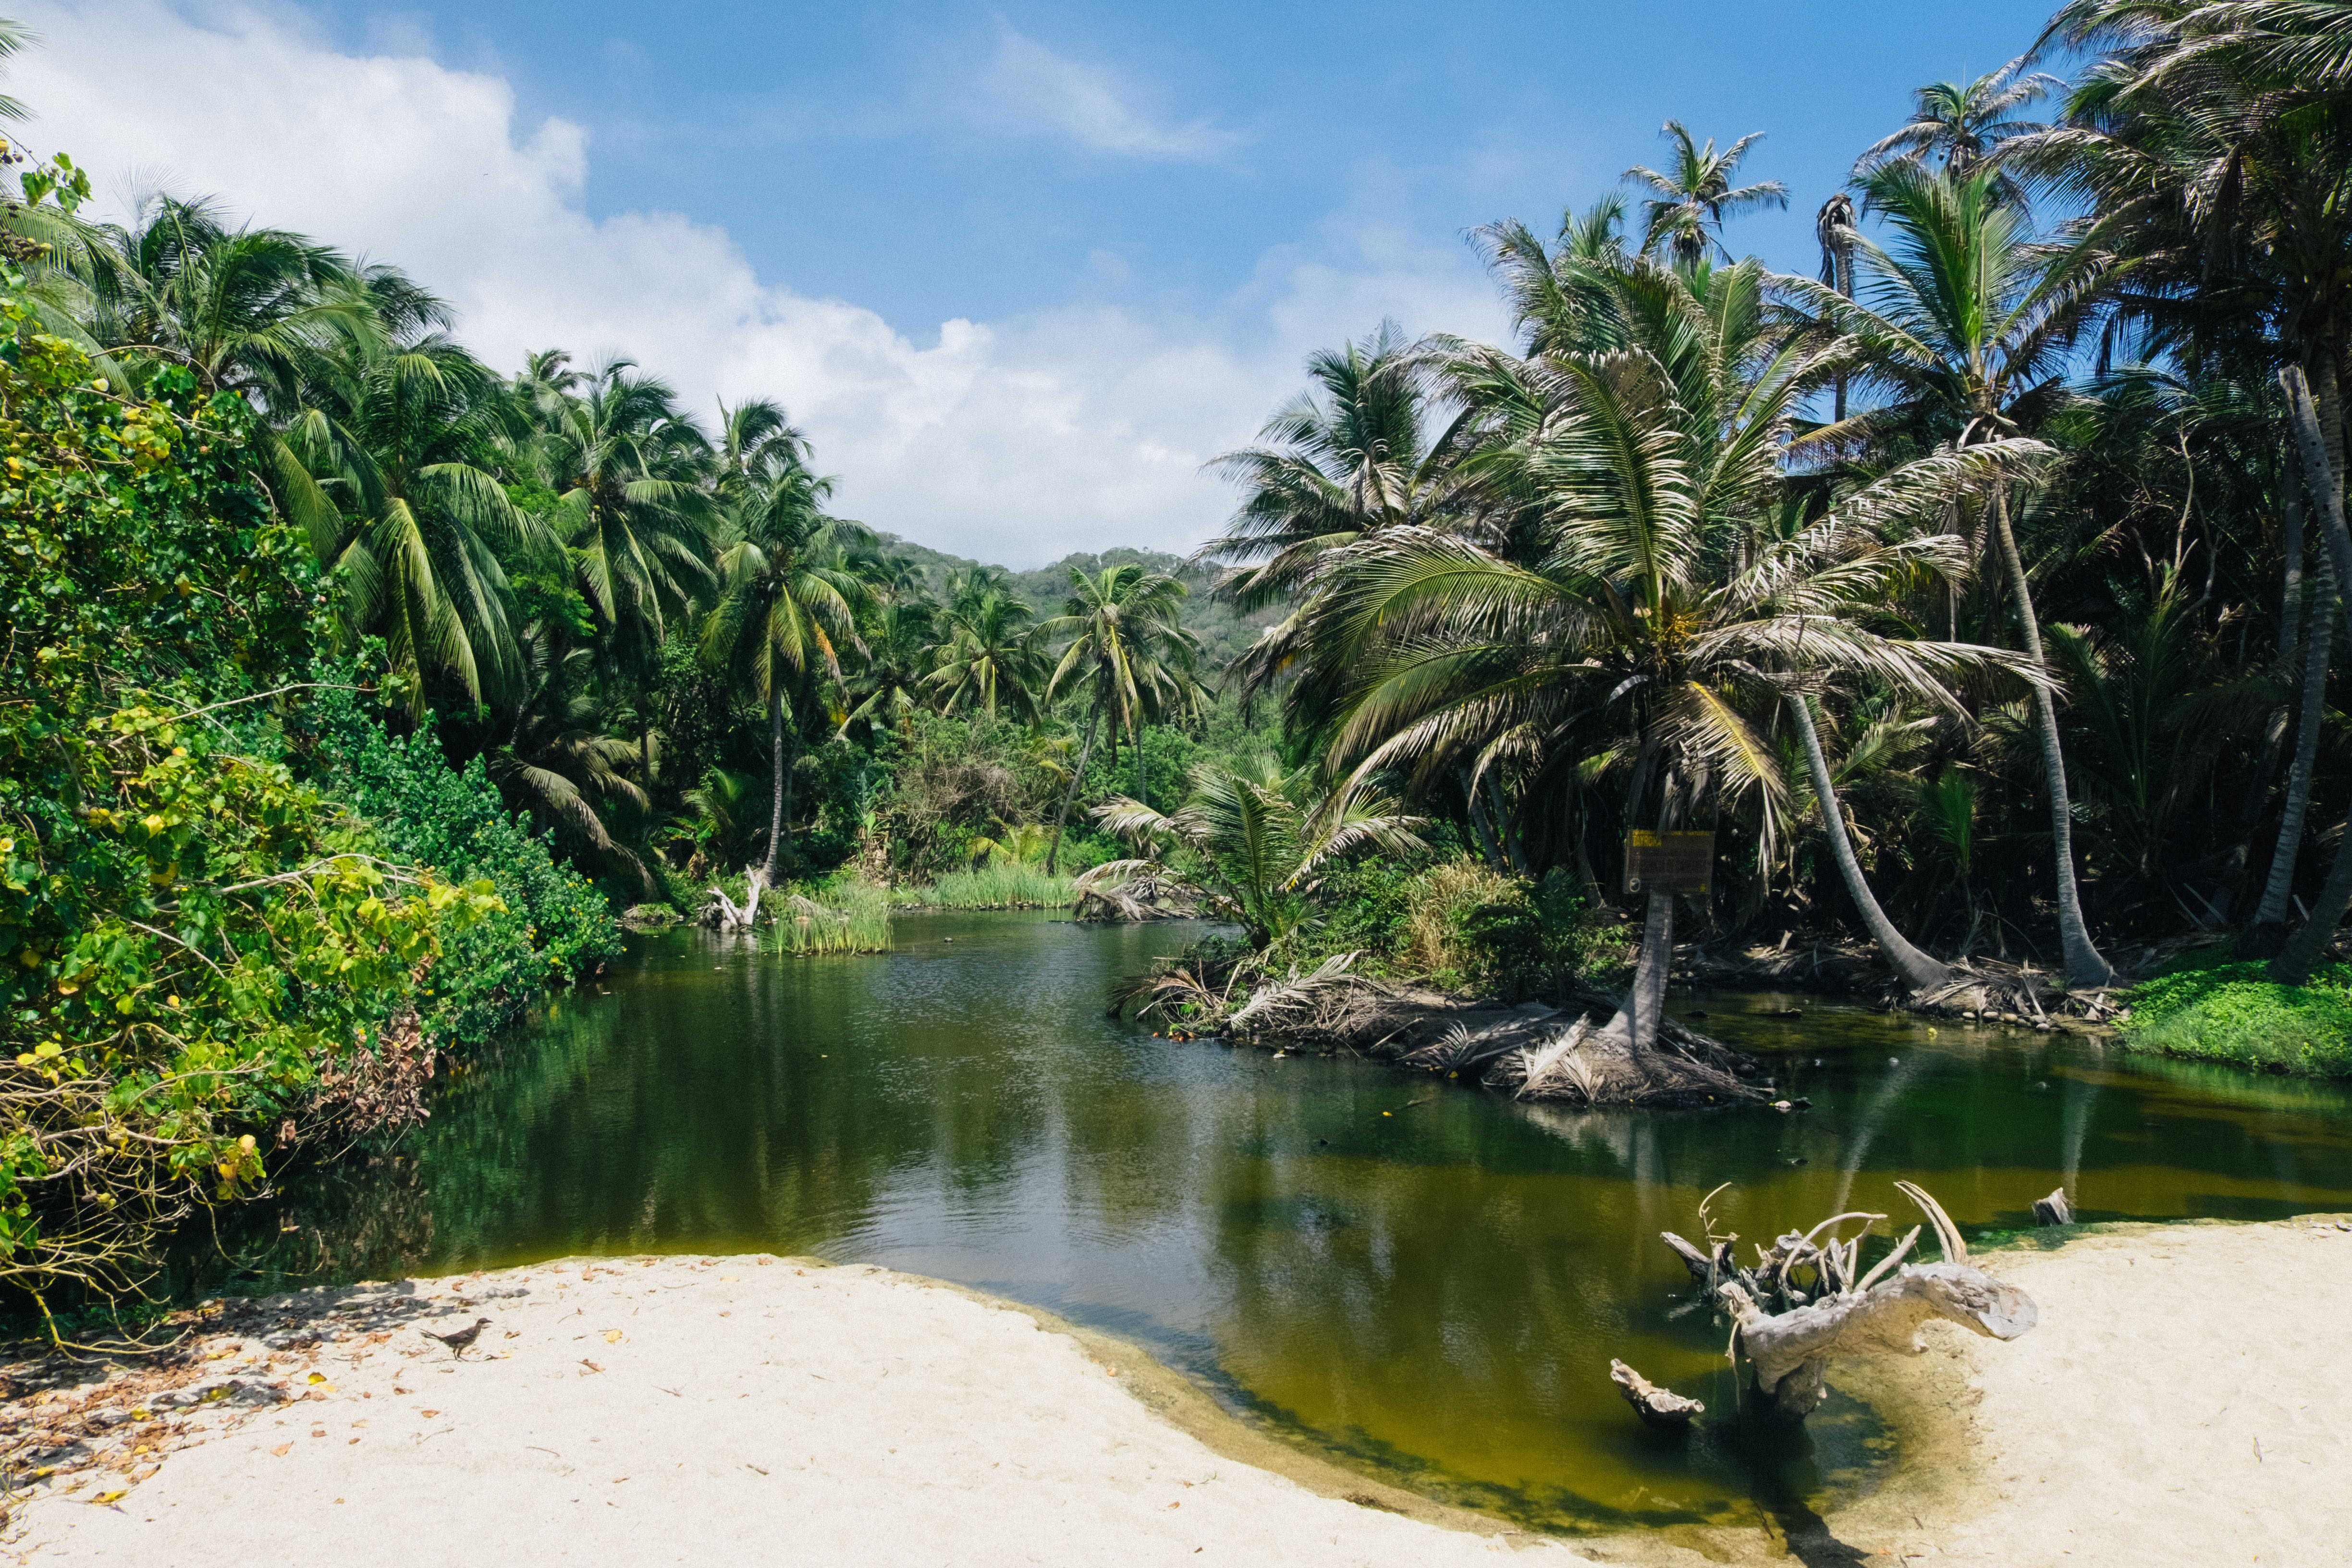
(724, 912)
(1847, 1311)
(2054, 1209)
(1660, 1407)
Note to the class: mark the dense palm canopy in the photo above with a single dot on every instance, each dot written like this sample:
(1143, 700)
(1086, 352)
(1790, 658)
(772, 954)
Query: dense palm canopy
(1986, 589)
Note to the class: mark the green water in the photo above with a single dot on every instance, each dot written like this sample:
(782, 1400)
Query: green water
(1426, 1281)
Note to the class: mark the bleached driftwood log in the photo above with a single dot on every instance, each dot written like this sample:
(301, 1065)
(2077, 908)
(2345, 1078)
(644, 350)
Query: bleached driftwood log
(2054, 1209)
(1657, 1406)
(1869, 1314)
(730, 917)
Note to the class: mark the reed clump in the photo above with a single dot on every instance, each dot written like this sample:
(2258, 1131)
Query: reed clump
(849, 916)
(1000, 886)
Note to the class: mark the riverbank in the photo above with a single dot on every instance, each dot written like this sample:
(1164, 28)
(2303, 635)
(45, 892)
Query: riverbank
(742, 1409)
(2179, 1402)
(2176, 1405)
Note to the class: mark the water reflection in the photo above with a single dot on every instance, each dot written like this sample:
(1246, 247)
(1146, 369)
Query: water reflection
(1429, 1280)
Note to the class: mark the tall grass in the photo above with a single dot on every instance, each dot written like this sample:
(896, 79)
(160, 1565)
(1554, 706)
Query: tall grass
(1015, 886)
(852, 917)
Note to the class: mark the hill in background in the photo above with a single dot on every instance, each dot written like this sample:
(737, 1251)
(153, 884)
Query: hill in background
(1225, 633)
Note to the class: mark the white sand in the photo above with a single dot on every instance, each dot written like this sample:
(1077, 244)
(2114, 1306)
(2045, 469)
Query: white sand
(734, 1413)
(2186, 1398)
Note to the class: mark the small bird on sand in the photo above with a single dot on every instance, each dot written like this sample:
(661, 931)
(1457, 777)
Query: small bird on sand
(462, 1341)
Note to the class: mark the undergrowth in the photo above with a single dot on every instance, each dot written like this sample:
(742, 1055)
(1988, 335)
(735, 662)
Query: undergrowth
(2233, 1012)
(996, 887)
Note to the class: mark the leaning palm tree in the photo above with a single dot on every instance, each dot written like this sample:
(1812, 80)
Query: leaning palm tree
(1963, 328)
(557, 760)
(1655, 622)
(1130, 658)
(392, 433)
(1690, 201)
(1962, 125)
(1250, 843)
(787, 606)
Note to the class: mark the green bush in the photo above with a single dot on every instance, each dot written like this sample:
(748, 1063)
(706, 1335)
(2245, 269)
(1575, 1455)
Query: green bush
(2233, 1012)
(555, 923)
(198, 954)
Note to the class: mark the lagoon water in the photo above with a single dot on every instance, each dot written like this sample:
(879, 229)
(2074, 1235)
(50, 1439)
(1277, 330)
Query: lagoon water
(1424, 1280)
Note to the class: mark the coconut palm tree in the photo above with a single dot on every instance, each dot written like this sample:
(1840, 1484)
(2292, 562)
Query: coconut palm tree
(1129, 658)
(1252, 843)
(1691, 199)
(1658, 621)
(787, 605)
(989, 653)
(1963, 329)
(394, 433)
(889, 686)
(628, 466)
(1962, 125)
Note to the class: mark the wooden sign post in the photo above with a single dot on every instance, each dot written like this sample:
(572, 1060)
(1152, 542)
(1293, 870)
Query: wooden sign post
(1669, 862)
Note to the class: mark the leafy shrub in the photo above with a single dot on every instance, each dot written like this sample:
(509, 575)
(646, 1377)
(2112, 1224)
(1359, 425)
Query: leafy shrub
(2233, 1012)
(193, 946)
(555, 923)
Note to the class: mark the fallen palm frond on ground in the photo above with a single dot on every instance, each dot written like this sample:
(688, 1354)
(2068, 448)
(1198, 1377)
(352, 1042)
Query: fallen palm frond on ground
(1532, 1052)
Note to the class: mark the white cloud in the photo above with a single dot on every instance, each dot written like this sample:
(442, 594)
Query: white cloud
(1016, 440)
(1031, 88)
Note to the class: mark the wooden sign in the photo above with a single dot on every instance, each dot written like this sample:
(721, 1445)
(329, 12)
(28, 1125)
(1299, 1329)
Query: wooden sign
(1669, 862)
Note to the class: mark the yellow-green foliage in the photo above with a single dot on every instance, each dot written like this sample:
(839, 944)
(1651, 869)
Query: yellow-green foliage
(192, 942)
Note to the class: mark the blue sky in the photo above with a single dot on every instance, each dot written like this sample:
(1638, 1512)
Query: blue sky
(1020, 270)
(899, 154)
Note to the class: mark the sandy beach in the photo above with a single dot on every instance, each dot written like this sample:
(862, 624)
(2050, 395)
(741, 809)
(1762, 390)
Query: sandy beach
(2181, 1402)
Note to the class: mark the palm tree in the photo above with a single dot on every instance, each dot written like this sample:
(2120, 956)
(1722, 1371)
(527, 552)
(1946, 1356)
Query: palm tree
(1965, 327)
(1962, 125)
(1694, 198)
(394, 433)
(1655, 622)
(2216, 139)
(1251, 842)
(890, 684)
(556, 758)
(1129, 656)
(628, 466)
(989, 655)
(786, 603)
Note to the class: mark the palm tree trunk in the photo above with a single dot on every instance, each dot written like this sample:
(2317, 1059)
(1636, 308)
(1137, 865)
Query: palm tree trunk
(2313, 429)
(2269, 932)
(1478, 824)
(2084, 966)
(776, 769)
(1919, 972)
(1645, 1004)
(1143, 769)
(1077, 777)
(2275, 729)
